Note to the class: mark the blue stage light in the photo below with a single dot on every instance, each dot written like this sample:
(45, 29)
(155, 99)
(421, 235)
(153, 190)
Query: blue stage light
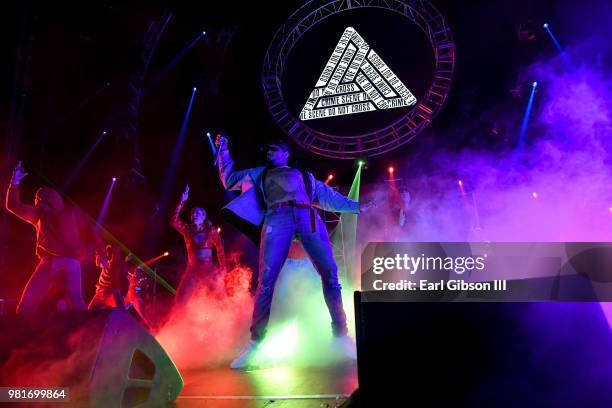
(546, 25)
(535, 83)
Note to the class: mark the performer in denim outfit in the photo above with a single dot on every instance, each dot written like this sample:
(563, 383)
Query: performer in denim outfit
(281, 200)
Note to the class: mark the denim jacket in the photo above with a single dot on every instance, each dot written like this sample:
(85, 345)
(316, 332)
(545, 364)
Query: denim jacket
(250, 205)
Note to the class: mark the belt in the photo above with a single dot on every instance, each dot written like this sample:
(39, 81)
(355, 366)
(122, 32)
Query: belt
(299, 204)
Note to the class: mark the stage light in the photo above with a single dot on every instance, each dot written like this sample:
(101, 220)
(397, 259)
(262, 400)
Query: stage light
(218, 230)
(104, 208)
(104, 132)
(534, 194)
(173, 163)
(330, 177)
(460, 182)
(391, 170)
(173, 63)
(166, 253)
(208, 134)
(525, 124)
(361, 162)
(565, 57)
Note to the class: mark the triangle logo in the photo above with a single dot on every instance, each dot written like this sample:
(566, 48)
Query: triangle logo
(355, 80)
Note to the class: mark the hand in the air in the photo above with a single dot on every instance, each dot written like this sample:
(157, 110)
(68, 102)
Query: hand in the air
(363, 207)
(185, 195)
(221, 142)
(18, 174)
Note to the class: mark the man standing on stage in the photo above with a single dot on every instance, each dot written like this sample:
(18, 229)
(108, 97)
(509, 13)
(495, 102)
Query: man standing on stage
(62, 233)
(281, 200)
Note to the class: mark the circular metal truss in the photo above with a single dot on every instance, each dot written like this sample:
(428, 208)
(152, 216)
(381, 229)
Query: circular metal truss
(420, 12)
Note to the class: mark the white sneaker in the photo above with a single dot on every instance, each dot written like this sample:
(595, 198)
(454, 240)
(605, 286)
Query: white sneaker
(345, 346)
(246, 355)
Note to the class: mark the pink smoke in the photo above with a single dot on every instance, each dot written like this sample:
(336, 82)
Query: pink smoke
(210, 328)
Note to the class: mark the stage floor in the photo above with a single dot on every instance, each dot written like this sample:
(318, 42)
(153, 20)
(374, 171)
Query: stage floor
(288, 387)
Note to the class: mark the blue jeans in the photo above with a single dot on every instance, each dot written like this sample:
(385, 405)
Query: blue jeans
(280, 226)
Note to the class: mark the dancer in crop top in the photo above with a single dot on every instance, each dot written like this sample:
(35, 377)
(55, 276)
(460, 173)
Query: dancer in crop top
(200, 238)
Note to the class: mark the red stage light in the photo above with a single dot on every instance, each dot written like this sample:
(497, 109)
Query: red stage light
(330, 177)
(218, 229)
(391, 170)
(166, 253)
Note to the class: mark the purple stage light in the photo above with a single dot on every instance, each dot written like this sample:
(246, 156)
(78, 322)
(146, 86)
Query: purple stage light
(166, 69)
(106, 202)
(525, 123)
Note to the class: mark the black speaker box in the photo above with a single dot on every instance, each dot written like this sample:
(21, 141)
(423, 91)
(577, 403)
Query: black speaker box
(482, 354)
(105, 358)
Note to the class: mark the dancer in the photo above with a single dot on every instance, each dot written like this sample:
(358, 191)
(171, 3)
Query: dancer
(281, 200)
(62, 232)
(138, 295)
(113, 281)
(200, 238)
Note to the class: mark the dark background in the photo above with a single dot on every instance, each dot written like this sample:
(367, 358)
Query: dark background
(56, 55)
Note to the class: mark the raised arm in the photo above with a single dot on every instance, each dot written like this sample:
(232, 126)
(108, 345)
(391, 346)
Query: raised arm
(231, 179)
(329, 199)
(176, 221)
(13, 202)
